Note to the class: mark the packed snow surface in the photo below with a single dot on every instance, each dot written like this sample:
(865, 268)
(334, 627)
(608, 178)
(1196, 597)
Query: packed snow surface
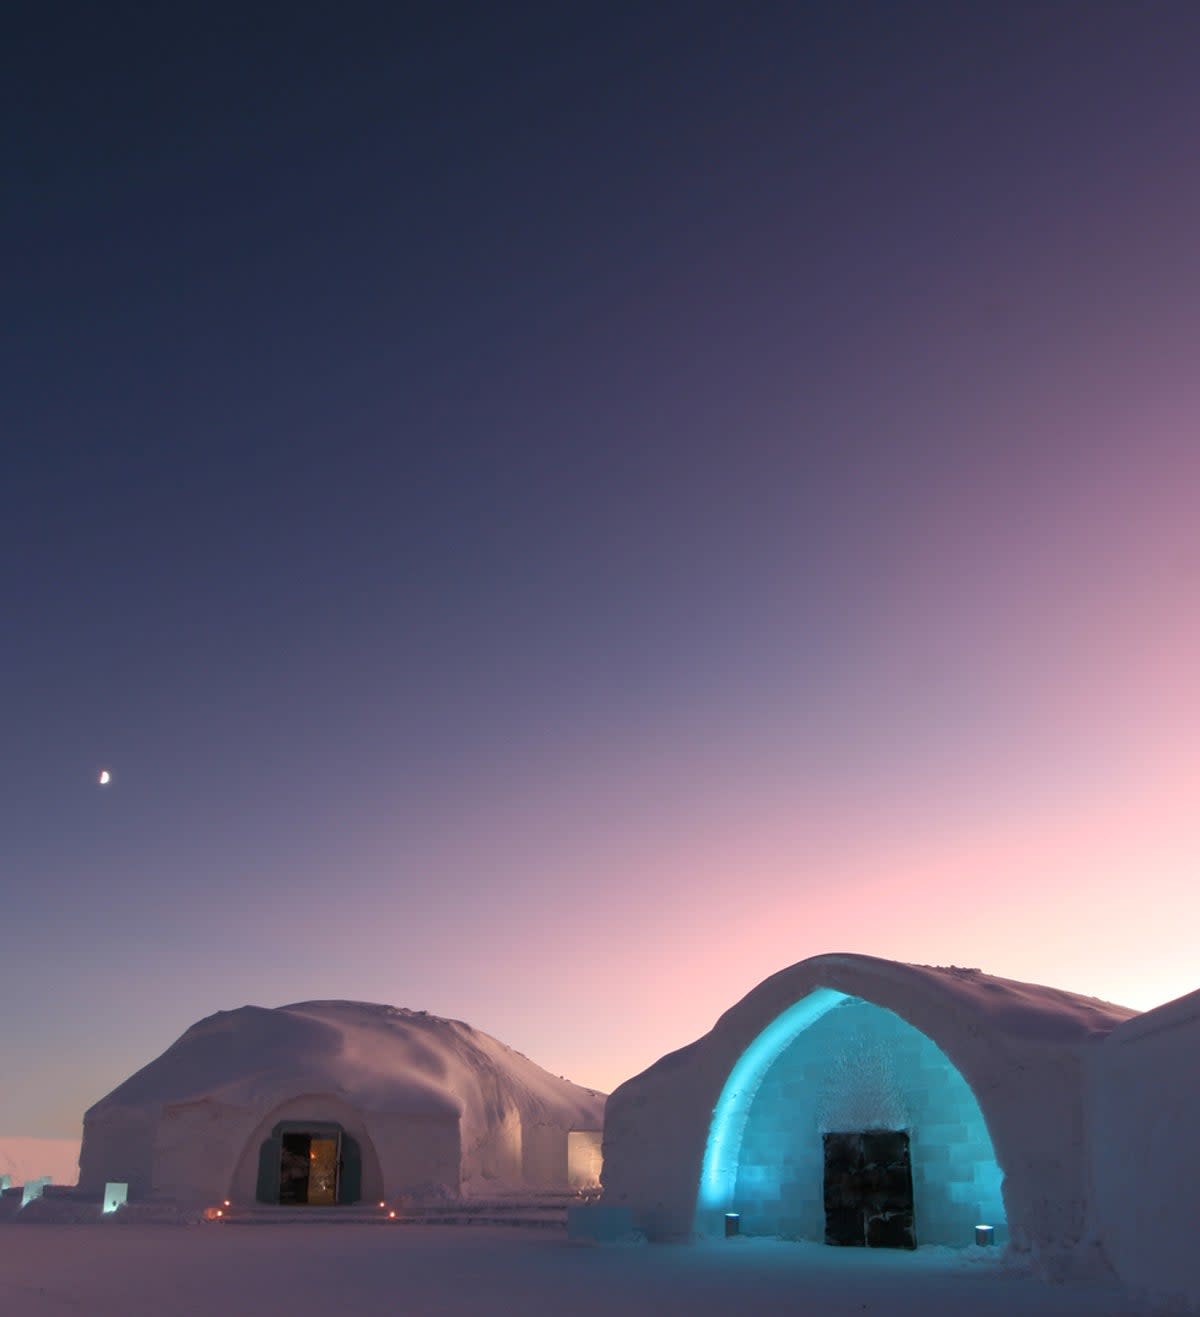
(430, 1271)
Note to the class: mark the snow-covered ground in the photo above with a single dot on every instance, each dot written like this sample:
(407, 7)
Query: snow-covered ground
(310, 1270)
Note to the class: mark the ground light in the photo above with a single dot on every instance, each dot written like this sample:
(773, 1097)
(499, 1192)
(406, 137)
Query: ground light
(985, 1235)
(733, 1224)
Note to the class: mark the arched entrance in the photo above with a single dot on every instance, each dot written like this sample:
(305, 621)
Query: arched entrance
(823, 1116)
(309, 1163)
(314, 1150)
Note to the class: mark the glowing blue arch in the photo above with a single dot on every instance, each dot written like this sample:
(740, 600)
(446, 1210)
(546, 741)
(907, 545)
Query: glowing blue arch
(957, 1179)
(718, 1174)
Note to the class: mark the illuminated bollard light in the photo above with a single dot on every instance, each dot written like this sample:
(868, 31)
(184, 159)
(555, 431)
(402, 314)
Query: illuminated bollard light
(985, 1235)
(733, 1224)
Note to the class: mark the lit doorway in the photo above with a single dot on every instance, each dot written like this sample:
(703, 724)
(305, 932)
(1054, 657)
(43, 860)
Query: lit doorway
(308, 1169)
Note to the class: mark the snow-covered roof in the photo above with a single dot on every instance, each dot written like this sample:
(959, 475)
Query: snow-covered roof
(377, 1058)
(1030, 1011)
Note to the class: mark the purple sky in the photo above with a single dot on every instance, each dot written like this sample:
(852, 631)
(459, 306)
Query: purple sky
(550, 516)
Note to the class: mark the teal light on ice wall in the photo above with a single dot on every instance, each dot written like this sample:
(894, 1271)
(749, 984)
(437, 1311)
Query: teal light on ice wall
(718, 1174)
(836, 1062)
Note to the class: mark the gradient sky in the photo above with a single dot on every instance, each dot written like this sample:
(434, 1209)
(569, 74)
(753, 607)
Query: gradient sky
(552, 513)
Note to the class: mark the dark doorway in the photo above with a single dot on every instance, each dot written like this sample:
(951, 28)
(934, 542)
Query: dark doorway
(308, 1169)
(868, 1190)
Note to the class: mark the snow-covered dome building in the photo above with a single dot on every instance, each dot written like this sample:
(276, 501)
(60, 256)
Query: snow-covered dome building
(861, 1101)
(333, 1102)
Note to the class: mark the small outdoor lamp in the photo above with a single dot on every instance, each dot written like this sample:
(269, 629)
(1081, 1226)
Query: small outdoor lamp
(733, 1224)
(985, 1235)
